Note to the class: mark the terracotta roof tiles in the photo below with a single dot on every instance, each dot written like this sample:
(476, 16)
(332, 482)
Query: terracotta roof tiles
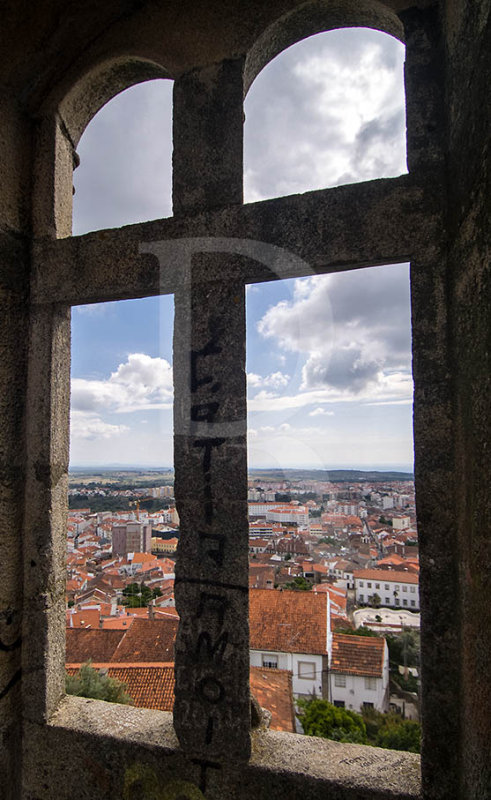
(148, 640)
(288, 621)
(85, 643)
(386, 575)
(357, 655)
(151, 685)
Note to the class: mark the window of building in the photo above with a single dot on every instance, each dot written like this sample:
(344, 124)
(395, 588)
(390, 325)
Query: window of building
(404, 588)
(306, 669)
(340, 681)
(366, 704)
(369, 585)
(360, 583)
(413, 602)
(387, 587)
(371, 683)
(361, 598)
(270, 660)
(404, 602)
(387, 600)
(339, 703)
(413, 589)
(377, 585)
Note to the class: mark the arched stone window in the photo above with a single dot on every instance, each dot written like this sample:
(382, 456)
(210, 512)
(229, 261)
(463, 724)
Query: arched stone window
(434, 217)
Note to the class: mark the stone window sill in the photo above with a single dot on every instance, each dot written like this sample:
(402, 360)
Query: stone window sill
(104, 742)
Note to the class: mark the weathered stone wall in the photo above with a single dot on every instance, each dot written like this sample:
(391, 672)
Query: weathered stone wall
(468, 62)
(14, 273)
(60, 65)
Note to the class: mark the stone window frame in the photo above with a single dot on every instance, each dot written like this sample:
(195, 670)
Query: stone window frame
(47, 429)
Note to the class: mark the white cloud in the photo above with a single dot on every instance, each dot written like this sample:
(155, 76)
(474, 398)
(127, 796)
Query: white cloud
(94, 309)
(90, 426)
(276, 380)
(321, 412)
(142, 382)
(328, 110)
(353, 330)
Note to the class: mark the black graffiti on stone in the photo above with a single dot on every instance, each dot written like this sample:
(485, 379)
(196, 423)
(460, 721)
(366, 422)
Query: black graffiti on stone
(207, 650)
(211, 690)
(10, 685)
(9, 626)
(204, 412)
(209, 730)
(207, 445)
(212, 604)
(7, 648)
(205, 765)
(211, 348)
(212, 545)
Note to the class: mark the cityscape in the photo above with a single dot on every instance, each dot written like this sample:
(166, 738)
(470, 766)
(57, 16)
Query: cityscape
(333, 584)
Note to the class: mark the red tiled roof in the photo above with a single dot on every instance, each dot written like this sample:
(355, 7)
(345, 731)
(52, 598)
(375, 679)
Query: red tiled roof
(99, 645)
(273, 690)
(151, 685)
(386, 575)
(287, 621)
(85, 618)
(148, 640)
(117, 623)
(357, 655)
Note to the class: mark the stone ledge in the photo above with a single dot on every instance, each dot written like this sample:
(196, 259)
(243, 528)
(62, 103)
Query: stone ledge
(102, 746)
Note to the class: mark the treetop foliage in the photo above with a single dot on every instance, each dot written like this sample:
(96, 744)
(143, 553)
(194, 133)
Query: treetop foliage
(321, 718)
(90, 683)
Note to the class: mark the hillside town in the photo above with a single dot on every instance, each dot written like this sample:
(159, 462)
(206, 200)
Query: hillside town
(327, 560)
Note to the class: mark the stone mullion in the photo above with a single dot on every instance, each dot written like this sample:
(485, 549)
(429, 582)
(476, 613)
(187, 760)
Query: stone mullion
(434, 433)
(212, 703)
(47, 450)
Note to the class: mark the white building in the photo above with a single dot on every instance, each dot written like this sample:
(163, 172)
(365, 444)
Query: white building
(291, 630)
(401, 523)
(359, 672)
(393, 587)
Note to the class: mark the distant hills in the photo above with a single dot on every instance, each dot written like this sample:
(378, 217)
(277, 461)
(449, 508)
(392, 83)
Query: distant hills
(334, 475)
(149, 474)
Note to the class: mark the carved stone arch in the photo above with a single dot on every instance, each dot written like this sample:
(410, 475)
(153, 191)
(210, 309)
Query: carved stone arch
(61, 121)
(99, 85)
(317, 16)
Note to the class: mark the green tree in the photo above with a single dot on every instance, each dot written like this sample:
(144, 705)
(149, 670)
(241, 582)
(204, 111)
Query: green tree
(320, 718)
(138, 595)
(90, 683)
(399, 734)
(391, 731)
(299, 584)
(361, 631)
(404, 649)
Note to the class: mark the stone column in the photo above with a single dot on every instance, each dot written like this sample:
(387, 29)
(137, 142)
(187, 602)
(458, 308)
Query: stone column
(212, 702)
(15, 154)
(47, 435)
(433, 410)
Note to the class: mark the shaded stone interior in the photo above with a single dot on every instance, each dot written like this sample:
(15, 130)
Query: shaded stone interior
(61, 62)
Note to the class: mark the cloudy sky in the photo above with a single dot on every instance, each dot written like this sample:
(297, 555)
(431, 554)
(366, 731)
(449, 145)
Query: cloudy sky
(328, 358)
